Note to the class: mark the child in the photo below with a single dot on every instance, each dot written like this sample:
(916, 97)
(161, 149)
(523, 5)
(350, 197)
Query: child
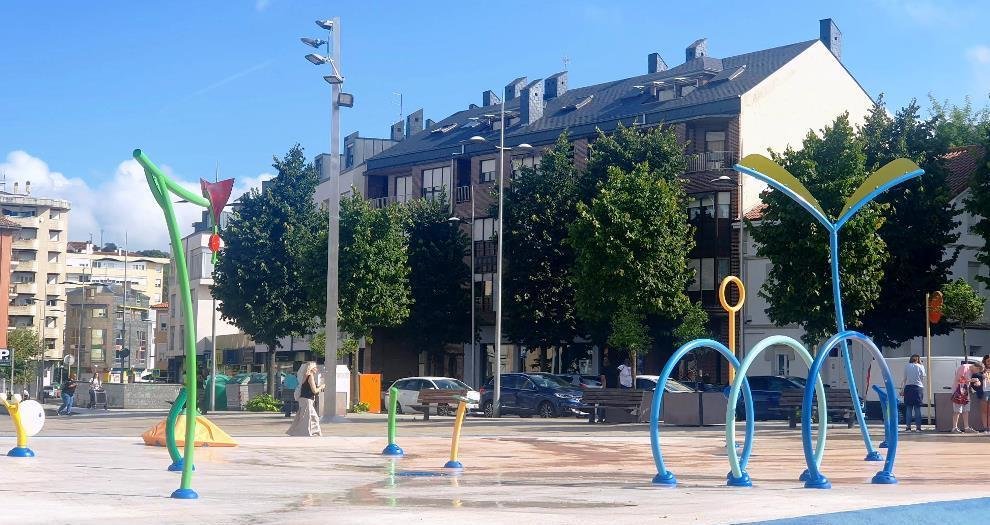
(967, 377)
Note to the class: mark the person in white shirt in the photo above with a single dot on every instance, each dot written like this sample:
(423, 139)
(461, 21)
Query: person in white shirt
(914, 388)
(95, 385)
(625, 375)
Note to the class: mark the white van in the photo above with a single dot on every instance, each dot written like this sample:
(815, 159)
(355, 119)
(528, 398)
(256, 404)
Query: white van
(942, 374)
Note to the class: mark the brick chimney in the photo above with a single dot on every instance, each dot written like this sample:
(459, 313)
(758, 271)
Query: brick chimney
(655, 63)
(397, 133)
(531, 102)
(414, 122)
(555, 85)
(696, 50)
(489, 98)
(512, 89)
(830, 35)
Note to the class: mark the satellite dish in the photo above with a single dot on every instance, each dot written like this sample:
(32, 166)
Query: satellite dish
(32, 416)
(69, 360)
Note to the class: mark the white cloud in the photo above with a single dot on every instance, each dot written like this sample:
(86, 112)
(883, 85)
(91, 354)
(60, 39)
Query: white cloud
(979, 64)
(978, 55)
(123, 203)
(261, 5)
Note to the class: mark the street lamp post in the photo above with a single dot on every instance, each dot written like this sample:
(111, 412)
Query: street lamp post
(496, 396)
(335, 79)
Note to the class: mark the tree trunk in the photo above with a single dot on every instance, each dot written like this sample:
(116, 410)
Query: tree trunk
(965, 347)
(270, 389)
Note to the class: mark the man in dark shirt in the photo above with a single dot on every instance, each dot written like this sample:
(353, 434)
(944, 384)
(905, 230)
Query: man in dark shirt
(68, 396)
(609, 375)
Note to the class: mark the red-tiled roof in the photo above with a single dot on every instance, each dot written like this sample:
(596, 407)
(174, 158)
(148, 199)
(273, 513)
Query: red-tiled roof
(755, 213)
(7, 224)
(159, 306)
(960, 163)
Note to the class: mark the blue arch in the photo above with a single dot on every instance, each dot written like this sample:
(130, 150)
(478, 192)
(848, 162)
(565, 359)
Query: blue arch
(664, 476)
(815, 478)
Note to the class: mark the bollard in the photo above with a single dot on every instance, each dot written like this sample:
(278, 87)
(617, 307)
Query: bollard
(456, 437)
(392, 449)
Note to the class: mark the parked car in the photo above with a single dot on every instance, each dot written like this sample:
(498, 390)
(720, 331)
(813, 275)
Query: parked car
(50, 392)
(766, 395)
(527, 395)
(582, 381)
(650, 383)
(409, 388)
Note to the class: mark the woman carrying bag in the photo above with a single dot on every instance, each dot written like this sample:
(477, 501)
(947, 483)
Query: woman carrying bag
(307, 421)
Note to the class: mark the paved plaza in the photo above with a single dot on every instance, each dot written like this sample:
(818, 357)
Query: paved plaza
(93, 468)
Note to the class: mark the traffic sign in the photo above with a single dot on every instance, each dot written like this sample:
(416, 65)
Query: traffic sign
(4, 357)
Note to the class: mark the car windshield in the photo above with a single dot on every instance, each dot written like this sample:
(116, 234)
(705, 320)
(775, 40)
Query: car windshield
(450, 384)
(550, 382)
(674, 386)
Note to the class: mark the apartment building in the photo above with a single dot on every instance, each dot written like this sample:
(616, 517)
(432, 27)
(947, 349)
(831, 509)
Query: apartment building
(721, 108)
(109, 329)
(148, 275)
(37, 295)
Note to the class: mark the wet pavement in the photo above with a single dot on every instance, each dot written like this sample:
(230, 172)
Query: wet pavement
(94, 468)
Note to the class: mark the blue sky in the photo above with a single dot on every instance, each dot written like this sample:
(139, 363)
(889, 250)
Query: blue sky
(197, 83)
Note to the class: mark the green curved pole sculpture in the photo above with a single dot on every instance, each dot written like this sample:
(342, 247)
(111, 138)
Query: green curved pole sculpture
(161, 185)
(173, 416)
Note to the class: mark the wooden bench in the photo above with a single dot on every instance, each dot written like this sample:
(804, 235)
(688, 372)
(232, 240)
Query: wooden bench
(838, 400)
(612, 405)
(445, 400)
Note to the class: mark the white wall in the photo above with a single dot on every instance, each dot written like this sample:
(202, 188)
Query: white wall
(806, 94)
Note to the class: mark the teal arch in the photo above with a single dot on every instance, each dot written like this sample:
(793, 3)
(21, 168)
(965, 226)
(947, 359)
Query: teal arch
(738, 468)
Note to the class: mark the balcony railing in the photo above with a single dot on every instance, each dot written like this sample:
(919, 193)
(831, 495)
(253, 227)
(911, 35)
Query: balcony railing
(381, 202)
(26, 309)
(25, 266)
(711, 161)
(26, 288)
(26, 244)
(462, 194)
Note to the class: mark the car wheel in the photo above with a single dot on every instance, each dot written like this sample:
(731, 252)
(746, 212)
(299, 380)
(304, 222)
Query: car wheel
(489, 409)
(398, 408)
(546, 410)
(445, 410)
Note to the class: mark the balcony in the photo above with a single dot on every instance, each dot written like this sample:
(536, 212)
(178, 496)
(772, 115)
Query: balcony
(25, 244)
(26, 288)
(23, 309)
(25, 266)
(382, 202)
(462, 194)
(711, 161)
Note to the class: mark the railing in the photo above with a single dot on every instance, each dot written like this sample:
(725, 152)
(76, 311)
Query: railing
(711, 161)
(27, 200)
(462, 194)
(25, 309)
(25, 244)
(25, 266)
(26, 288)
(381, 202)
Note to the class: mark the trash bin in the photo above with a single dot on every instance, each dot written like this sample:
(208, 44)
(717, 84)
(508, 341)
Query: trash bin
(370, 391)
(220, 389)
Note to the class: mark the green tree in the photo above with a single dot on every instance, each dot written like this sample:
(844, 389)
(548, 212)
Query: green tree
(920, 224)
(258, 274)
(539, 289)
(959, 125)
(627, 147)
(629, 333)
(374, 269)
(963, 305)
(154, 253)
(798, 287)
(438, 279)
(693, 326)
(978, 205)
(26, 347)
(631, 242)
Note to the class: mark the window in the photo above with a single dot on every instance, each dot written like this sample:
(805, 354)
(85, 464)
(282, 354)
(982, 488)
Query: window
(484, 229)
(349, 155)
(138, 266)
(783, 365)
(403, 189)
(53, 257)
(49, 343)
(51, 322)
(54, 235)
(686, 90)
(53, 278)
(96, 345)
(52, 302)
(666, 94)
(723, 204)
(487, 170)
(158, 283)
(54, 215)
(708, 274)
(531, 161)
(695, 266)
(714, 141)
(99, 312)
(722, 269)
(484, 294)
(435, 182)
(701, 205)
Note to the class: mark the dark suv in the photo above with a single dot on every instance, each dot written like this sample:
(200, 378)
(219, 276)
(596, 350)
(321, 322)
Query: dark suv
(529, 394)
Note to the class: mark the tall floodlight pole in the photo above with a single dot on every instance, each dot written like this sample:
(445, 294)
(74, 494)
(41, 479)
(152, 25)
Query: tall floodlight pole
(335, 79)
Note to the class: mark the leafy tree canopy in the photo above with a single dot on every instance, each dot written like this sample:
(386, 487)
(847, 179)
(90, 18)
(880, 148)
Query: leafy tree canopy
(27, 349)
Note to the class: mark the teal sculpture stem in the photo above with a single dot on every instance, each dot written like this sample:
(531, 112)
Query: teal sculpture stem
(161, 185)
(393, 400)
(173, 416)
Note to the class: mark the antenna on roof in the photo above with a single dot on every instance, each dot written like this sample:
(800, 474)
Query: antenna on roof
(400, 104)
(566, 61)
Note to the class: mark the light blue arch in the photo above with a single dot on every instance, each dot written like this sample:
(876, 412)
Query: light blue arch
(738, 476)
(815, 479)
(664, 476)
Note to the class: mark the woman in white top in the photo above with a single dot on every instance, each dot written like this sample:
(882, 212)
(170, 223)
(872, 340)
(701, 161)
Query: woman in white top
(914, 389)
(625, 375)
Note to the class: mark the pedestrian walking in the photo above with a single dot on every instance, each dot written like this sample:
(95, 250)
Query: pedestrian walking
(625, 375)
(967, 376)
(68, 396)
(983, 393)
(914, 389)
(307, 421)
